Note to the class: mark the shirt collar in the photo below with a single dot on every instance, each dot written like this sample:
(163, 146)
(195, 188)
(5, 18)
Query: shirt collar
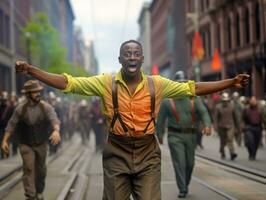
(118, 77)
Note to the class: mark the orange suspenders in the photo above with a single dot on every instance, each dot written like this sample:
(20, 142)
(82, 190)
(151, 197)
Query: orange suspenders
(192, 106)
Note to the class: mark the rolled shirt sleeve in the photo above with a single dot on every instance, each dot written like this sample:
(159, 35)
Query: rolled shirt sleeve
(89, 86)
(173, 89)
(12, 122)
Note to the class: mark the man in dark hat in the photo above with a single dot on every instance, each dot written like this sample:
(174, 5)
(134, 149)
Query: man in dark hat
(184, 117)
(30, 121)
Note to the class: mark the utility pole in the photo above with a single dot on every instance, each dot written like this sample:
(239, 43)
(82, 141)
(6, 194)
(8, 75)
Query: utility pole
(179, 56)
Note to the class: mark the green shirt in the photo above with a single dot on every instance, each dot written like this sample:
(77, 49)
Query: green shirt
(183, 109)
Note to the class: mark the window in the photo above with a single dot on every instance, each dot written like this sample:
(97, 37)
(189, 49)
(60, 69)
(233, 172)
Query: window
(170, 34)
(229, 39)
(1, 27)
(7, 32)
(237, 30)
(257, 22)
(246, 22)
(203, 37)
(209, 46)
(202, 5)
(218, 36)
(207, 4)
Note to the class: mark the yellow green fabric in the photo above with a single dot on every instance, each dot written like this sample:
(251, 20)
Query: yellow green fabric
(134, 108)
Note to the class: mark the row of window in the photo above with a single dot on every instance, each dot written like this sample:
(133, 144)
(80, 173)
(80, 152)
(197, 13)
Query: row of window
(236, 31)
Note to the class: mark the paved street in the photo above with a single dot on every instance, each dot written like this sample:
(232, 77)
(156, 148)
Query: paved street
(169, 188)
(211, 149)
(207, 182)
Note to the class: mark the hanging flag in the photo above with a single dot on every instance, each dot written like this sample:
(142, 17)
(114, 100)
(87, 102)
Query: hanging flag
(155, 70)
(216, 62)
(197, 48)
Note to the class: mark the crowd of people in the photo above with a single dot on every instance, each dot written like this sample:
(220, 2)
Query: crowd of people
(238, 119)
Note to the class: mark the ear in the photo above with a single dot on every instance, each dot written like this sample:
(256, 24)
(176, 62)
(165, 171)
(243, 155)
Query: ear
(142, 59)
(119, 59)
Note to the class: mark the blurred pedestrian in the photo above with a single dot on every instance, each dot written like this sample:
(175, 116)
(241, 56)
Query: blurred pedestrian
(253, 120)
(84, 122)
(30, 121)
(98, 124)
(131, 157)
(6, 110)
(239, 108)
(52, 101)
(225, 123)
(184, 116)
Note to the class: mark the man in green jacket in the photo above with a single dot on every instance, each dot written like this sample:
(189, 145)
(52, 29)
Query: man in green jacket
(184, 116)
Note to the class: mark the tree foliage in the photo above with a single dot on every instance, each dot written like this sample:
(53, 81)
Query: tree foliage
(45, 47)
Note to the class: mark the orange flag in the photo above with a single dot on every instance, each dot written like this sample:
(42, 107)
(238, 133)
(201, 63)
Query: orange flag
(197, 48)
(216, 62)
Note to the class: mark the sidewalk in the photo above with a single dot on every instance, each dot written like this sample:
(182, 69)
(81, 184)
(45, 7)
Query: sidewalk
(211, 146)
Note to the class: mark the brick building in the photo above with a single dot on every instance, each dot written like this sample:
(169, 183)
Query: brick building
(237, 29)
(161, 44)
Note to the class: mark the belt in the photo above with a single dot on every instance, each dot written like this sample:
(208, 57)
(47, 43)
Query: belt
(181, 130)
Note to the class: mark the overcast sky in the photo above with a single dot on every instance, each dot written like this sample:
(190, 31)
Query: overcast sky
(108, 24)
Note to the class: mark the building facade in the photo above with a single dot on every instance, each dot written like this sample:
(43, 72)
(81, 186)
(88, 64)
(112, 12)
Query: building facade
(238, 30)
(67, 27)
(14, 15)
(90, 60)
(145, 36)
(161, 32)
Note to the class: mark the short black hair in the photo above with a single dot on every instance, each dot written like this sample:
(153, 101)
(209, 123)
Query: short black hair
(130, 41)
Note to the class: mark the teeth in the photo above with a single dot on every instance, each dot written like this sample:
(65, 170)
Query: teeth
(132, 69)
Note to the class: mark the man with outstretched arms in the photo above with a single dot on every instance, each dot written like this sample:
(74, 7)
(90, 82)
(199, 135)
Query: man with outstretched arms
(130, 102)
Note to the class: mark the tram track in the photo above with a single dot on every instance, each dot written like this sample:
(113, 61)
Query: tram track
(229, 180)
(76, 188)
(251, 174)
(9, 180)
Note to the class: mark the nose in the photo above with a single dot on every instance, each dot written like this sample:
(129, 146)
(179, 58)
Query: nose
(132, 57)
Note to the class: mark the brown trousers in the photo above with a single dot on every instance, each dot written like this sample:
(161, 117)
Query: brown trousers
(132, 166)
(34, 168)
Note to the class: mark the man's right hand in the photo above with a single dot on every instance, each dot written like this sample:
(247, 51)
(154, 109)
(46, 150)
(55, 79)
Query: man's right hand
(5, 147)
(22, 67)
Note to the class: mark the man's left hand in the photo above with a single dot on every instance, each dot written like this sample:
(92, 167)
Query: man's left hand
(206, 131)
(55, 137)
(241, 80)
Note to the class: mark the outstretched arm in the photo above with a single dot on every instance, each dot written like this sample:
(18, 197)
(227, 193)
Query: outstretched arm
(203, 88)
(54, 80)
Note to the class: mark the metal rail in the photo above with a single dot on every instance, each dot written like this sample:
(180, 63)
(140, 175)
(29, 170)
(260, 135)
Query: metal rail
(252, 174)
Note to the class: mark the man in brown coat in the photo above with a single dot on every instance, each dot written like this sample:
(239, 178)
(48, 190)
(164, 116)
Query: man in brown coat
(225, 123)
(30, 121)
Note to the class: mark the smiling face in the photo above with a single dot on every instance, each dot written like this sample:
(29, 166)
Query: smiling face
(131, 59)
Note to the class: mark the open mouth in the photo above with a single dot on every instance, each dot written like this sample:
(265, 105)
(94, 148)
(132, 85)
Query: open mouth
(132, 68)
